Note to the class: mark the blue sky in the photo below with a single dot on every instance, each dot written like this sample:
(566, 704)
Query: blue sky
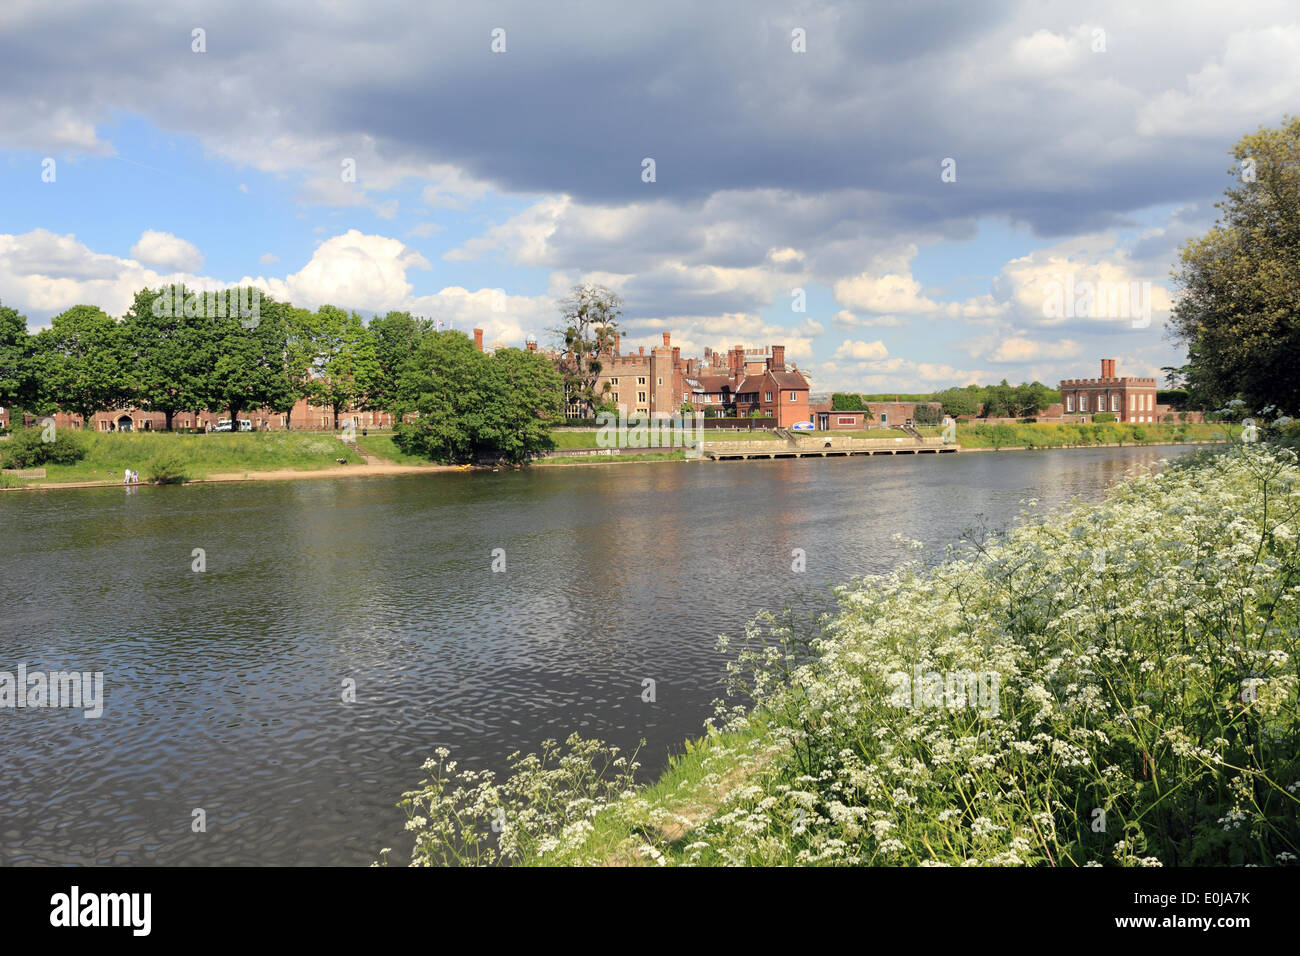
(1088, 142)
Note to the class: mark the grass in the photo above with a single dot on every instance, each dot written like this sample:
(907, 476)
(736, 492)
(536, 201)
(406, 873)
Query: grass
(1139, 658)
(110, 453)
(1052, 435)
(383, 447)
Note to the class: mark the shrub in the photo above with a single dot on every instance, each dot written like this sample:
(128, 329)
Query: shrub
(1102, 418)
(28, 450)
(169, 468)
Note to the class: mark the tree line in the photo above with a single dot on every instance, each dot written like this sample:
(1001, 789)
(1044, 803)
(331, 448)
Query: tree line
(178, 350)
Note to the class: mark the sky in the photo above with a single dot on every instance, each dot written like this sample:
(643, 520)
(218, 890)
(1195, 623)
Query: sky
(907, 195)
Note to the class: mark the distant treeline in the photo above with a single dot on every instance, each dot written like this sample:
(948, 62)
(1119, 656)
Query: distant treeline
(178, 350)
(997, 401)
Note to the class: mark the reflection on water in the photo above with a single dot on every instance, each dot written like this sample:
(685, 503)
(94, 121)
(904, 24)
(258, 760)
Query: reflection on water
(224, 688)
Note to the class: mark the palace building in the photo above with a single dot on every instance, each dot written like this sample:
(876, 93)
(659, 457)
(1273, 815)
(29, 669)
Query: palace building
(1129, 399)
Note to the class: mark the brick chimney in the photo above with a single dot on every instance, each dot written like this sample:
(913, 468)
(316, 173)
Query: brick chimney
(666, 342)
(737, 359)
(640, 350)
(531, 345)
(617, 338)
(1107, 368)
(778, 358)
(478, 339)
(677, 356)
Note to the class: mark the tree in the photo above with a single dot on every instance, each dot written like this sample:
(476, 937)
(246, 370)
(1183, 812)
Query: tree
(449, 379)
(527, 401)
(78, 362)
(168, 351)
(959, 401)
(1237, 301)
(299, 335)
(396, 339)
(16, 382)
(249, 369)
(589, 323)
(345, 360)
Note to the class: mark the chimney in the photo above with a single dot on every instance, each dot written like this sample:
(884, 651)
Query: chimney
(778, 358)
(531, 345)
(640, 350)
(478, 339)
(677, 356)
(617, 337)
(666, 343)
(1107, 368)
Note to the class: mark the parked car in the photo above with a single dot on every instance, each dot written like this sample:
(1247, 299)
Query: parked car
(223, 425)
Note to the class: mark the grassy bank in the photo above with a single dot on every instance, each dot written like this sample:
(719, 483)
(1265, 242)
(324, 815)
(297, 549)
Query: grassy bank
(109, 454)
(1112, 684)
(1049, 435)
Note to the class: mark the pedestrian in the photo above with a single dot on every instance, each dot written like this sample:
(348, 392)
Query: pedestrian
(126, 477)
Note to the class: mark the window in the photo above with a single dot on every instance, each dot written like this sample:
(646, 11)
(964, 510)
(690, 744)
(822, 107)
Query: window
(767, 396)
(616, 396)
(1149, 397)
(845, 420)
(1083, 403)
(1132, 402)
(640, 397)
(1069, 403)
(794, 396)
(640, 380)
(661, 381)
(613, 381)
(1114, 403)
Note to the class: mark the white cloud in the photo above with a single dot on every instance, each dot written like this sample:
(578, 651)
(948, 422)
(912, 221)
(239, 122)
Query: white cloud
(268, 258)
(845, 319)
(166, 251)
(862, 351)
(1020, 349)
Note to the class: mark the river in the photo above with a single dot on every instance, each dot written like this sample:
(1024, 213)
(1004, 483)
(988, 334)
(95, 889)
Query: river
(224, 687)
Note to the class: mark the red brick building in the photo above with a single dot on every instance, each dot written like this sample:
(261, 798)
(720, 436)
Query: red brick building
(1129, 399)
(735, 383)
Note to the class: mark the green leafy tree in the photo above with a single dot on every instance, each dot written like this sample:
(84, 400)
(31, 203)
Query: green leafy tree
(526, 401)
(589, 321)
(79, 362)
(16, 379)
(346, 363)
(168, 351)
(959, 401)
(249, 369)
(451, 383)
(396, 337)
(1237, 301)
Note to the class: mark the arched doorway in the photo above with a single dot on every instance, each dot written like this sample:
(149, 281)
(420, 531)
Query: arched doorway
(124, 424)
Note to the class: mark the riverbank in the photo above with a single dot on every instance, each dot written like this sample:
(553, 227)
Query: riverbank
(288, 456)
(1110, 684)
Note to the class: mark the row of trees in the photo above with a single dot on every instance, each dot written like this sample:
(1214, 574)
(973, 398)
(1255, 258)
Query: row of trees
(996, 401)
(186, 354)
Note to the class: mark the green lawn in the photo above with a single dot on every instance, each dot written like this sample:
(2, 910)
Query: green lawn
(1051, 435)
(204, 455)
(383, 446)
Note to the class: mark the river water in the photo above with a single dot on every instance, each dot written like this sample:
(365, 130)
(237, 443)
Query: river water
(224, 687)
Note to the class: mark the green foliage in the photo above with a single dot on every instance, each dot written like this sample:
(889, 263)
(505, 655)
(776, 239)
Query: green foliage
(847, 402)
(79, 363)
(344, 359)
(26, 449)
(15, 359)
(169, 468)
(470, 405)
(927, 414)
(167, 350)
(1237, 305)
(1103, 417)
